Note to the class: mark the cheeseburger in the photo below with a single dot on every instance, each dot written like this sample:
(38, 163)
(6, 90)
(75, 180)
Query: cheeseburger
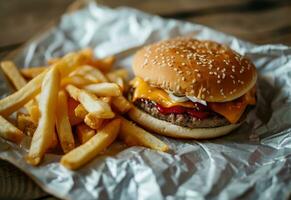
(186, 88)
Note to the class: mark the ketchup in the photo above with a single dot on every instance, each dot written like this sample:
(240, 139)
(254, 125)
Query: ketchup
(199, 112)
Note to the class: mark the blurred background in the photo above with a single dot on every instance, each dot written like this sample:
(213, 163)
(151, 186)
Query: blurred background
(257, 21)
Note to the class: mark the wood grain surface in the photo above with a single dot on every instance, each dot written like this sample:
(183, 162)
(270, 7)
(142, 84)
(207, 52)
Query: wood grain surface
(257, 21)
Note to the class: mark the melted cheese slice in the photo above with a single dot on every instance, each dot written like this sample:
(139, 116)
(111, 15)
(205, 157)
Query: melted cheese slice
(231, 110)
(143, 90)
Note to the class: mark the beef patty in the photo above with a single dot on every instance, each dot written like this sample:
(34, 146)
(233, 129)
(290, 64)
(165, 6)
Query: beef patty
(185, 120)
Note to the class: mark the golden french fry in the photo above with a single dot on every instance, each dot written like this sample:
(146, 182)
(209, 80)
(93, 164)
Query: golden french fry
(43, 135)
(90, 73)
(84, 133)
(104, 89)
(104, 64)
(106, 99)
(26, 124)
(18, 99)
(93, 121)
(63, 125)
(18, 82)
(12, 73)
(121, 104)
(134, 135)
(53, 60)
(116, 79)
(76, 80)
(87, 151)
(80, 111)
(33, 110)
(90, 102)
(32, 72)
(9, 132)
(122, 73)
(72, 104)
(90, 119)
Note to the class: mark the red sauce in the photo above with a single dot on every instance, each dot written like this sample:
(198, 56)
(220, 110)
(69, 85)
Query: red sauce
(200, 112)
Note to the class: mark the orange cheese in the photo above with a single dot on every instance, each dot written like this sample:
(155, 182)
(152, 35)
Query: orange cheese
(143, 90)
(231, 110)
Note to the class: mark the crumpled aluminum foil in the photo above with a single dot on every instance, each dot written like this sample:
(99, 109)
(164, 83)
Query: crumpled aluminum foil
(254, 162)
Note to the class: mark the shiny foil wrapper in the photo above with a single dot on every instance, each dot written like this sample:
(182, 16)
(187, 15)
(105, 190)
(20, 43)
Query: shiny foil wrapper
(253, 162)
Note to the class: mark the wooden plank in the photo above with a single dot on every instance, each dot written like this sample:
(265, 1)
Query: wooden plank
(254, 26)
(166, 7)
(22, 19)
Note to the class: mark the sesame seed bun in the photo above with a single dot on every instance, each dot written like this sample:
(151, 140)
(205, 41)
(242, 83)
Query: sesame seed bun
(168, 129)
(203, 69)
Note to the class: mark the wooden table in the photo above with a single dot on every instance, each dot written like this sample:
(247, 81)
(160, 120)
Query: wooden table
(256, 21)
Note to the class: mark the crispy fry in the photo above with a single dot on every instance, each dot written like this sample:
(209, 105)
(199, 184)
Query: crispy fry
(87, 151)
(90, 73)
(72, 104)
(104, 64)
(32, 72)
(9, 132)
(33, 110)
(18, 82)
(43, 135)
(104, 89)
(116, 79)
(90, 102)
(90, 119)
(84, 133)
(80, 111)
(53, 60)
(12, 73)
(64, 129)
(122, 73)
(76, 80)
(134, 135)
(93, 121)
(18, 99)
(121, 104)
(26, 124)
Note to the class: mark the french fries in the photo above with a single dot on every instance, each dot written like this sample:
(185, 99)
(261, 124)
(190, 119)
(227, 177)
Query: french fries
(30, 73)
(92, 121)
(18, 99)
(72, 104)
(26, 124)
(64, 129)
(84, 133)
(9, 132)
(80, 111)
(122, 73)
(87, 151)
(90, 102)
(104, 89)
(134, 135)
(54, 119)
(90, 73)
(121, 104)
(76, 80)
(105, 64)
(11, 71)
(45, 129)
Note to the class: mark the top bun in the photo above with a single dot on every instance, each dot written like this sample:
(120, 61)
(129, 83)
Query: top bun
(203, 69)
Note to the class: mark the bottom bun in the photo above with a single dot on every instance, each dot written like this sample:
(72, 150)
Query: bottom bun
(172, 130)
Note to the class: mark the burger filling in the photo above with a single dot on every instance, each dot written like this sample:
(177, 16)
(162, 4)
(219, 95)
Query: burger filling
(188, 112)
